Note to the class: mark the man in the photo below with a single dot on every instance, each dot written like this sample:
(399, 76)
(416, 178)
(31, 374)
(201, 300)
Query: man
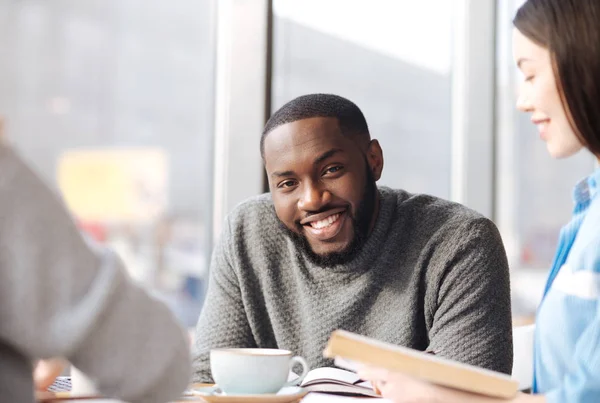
(327, 249)
(60, 297)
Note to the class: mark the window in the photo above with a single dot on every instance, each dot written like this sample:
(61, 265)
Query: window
(112, 101)
(393, 59)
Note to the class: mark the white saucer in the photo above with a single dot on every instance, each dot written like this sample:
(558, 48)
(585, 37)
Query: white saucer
(285, 395)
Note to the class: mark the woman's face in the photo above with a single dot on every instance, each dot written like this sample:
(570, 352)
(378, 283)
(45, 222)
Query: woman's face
(539, 96)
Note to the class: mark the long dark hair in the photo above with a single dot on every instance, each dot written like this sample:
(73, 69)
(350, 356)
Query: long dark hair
(570, 30)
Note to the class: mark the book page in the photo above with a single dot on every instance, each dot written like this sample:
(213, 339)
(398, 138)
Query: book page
(324, 398)
(337, 381)
(324, 374)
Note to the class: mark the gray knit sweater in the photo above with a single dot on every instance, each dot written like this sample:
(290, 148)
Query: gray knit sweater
(432, 275)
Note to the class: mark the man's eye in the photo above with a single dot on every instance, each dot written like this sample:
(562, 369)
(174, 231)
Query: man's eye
(286, 184)
(333, 169)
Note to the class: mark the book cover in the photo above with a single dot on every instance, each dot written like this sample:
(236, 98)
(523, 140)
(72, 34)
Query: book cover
(428, 367)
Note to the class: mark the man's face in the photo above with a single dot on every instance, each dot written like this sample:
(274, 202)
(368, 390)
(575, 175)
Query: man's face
(323, 187)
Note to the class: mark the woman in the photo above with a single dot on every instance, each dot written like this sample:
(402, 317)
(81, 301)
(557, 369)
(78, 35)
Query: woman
(556, 45)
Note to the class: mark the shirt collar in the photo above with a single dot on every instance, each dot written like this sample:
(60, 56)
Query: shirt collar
(587, 189)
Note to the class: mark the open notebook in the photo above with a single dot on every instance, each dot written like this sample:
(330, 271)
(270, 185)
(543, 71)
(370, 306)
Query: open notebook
(337, 381)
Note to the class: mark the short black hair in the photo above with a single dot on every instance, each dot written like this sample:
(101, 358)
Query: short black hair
(350, 118)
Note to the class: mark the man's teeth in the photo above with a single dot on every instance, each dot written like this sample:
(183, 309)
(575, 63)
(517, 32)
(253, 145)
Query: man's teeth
(326, 222)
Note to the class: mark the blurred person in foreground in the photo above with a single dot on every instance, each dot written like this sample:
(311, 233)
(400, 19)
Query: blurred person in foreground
(556, 44)
(63, 297)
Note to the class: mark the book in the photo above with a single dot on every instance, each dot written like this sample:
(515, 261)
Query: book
(431, 368)
(338, 382)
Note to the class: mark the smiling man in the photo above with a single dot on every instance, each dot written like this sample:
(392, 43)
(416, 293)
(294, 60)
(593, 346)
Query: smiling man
(327, 249)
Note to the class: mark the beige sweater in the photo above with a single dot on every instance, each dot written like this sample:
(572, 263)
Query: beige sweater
(61, 297)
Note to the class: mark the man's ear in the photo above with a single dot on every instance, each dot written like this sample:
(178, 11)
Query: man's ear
(375, 159)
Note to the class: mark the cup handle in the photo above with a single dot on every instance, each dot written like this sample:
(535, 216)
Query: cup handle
(297, 381)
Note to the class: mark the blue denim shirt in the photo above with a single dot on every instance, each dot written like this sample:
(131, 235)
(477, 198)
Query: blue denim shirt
(567, 340)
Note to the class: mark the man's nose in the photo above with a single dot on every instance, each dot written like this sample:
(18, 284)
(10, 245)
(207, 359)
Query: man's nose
(314, 198)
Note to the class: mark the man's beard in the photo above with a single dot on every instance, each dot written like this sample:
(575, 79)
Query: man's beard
(361, 223)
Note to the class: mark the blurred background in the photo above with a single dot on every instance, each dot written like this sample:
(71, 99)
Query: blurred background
(146, 115)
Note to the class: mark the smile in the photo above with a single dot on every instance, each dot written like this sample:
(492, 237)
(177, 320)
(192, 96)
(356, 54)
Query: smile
(325, 226)
(326, 222)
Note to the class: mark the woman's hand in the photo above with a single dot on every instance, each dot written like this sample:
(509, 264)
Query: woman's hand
(402, 389)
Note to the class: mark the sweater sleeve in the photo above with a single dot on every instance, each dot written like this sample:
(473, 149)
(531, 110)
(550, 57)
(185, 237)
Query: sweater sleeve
(223, 321)
(60, 296)
(470, 303)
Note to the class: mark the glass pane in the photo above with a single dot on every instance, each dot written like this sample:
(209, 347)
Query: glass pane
(535, 191)
(393, 59)
(112, 102)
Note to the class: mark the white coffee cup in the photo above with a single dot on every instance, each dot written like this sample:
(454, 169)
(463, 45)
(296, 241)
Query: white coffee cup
(253, 371)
